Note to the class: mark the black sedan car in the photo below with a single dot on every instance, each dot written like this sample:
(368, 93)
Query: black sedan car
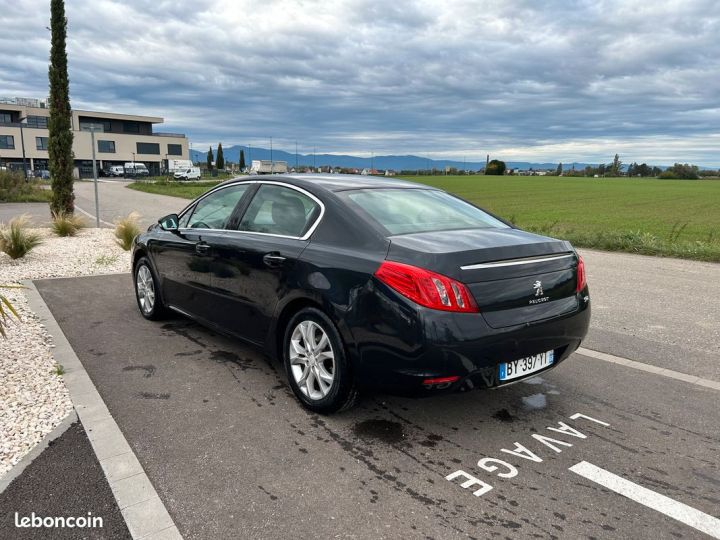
(358, 282)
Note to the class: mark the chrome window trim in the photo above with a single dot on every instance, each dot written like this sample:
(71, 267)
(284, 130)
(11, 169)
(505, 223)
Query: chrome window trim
(306, 236)
(515, 262)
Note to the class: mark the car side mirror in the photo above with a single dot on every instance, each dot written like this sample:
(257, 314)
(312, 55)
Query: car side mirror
(169, 222)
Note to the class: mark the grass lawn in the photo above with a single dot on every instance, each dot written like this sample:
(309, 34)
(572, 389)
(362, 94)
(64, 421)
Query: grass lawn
(679, 218)
(655, 217)
(186, 190)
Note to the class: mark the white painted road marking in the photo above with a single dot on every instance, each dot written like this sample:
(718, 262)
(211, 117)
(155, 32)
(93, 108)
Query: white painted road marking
(93, 216)
(692, 379)
(665, 505)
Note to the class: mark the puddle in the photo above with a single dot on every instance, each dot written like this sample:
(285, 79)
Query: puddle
(535, 401)
(503, 415)
(381, 430)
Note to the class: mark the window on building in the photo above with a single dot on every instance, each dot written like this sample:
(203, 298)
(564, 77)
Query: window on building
(174, 149)
(148, 148)
(106, 147)
(37, 122)
(131, 127)
(7, 142)
(41, 143)
(96, 124)
(5, 118)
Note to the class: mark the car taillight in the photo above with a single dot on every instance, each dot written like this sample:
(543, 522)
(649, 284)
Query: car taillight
(427, 288)
(581, 279)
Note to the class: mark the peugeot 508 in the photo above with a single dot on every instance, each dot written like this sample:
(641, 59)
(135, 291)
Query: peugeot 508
(356, 282)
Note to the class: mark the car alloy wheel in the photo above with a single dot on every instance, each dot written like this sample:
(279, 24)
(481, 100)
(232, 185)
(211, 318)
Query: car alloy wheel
(145, 289)
(312, 360)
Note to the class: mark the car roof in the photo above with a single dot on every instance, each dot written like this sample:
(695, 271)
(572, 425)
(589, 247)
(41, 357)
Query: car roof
(335, 182)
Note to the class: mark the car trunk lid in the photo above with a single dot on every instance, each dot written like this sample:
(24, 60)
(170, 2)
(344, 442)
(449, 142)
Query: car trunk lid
(516, 277)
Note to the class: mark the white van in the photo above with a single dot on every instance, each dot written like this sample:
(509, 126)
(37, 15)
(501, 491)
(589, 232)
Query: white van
(116, 170)
(191, 173)
(136, 169)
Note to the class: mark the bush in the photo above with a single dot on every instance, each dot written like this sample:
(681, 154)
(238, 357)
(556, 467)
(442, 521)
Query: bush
(14, 188)
(496, 167)
(126, 230)
(66, 224)
(15, 240)
(6, 309)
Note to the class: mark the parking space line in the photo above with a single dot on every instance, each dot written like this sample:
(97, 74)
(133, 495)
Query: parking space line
(665, 505)
(88, 214)
(692, 379)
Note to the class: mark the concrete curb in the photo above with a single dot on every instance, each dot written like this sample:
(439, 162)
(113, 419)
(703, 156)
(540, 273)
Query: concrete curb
(144, 512)
(28, 458)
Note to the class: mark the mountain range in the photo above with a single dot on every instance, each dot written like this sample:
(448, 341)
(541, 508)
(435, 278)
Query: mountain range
(396, 163)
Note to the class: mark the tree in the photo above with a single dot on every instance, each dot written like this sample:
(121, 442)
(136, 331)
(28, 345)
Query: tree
(558, 171)
(616, 167)
(210, 159)
(242, 159)
(495, 167)
(643, 170)
(681, 171)
(220, 160)
(60, 136)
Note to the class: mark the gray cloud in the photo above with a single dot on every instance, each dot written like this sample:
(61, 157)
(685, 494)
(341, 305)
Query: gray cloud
(522, 79)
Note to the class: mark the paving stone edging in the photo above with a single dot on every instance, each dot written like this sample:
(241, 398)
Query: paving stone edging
(143, 510)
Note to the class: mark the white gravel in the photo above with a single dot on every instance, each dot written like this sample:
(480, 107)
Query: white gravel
(33, 397)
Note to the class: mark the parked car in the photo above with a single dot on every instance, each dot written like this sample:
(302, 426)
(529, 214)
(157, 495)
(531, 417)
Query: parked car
(191, 173)
(357, 282)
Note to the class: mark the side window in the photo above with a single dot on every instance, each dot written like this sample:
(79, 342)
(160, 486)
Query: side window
(214, 211)
(185, 218)
(280, 210)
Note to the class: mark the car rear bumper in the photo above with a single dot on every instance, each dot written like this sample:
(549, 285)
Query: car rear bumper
(402, 348)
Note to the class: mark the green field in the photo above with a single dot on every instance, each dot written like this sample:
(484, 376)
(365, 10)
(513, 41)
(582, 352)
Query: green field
(679, 218)
(186, 190)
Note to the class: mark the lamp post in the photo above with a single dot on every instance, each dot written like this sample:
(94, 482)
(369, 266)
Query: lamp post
(22, 143)
(92, 128)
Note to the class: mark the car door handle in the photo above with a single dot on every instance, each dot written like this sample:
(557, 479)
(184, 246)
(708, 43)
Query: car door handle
(202, 248)
(273, 259)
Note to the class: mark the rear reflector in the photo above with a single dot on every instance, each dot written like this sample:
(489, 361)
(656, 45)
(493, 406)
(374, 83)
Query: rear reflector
(442, 380)
(581, 279)
(427, 288)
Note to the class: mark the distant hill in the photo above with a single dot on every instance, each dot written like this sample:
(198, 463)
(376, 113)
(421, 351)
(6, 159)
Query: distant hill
(396, 163)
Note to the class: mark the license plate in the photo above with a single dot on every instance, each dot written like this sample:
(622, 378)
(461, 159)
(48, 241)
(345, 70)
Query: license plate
(525, 366)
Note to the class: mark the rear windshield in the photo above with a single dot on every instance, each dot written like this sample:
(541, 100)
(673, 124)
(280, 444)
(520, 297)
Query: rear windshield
(403, 211)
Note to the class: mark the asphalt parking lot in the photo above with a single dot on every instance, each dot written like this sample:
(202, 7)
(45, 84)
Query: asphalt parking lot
(232, 454)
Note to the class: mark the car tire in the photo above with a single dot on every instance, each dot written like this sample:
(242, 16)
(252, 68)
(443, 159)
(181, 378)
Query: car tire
(322, 379)
(147, 288)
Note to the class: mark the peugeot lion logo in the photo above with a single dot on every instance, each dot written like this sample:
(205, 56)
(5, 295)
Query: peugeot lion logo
(538, 288)
(539, 293)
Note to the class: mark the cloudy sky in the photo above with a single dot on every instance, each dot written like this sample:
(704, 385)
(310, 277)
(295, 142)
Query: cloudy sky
(523, 80)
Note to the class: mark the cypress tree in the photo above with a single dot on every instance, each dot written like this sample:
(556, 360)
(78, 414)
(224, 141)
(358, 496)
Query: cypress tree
(209, 159)
(60, 137)
(220, 160)
(242, 159)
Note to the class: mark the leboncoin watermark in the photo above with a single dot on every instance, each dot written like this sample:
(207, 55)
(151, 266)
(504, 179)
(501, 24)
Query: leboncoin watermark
(34, 521)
